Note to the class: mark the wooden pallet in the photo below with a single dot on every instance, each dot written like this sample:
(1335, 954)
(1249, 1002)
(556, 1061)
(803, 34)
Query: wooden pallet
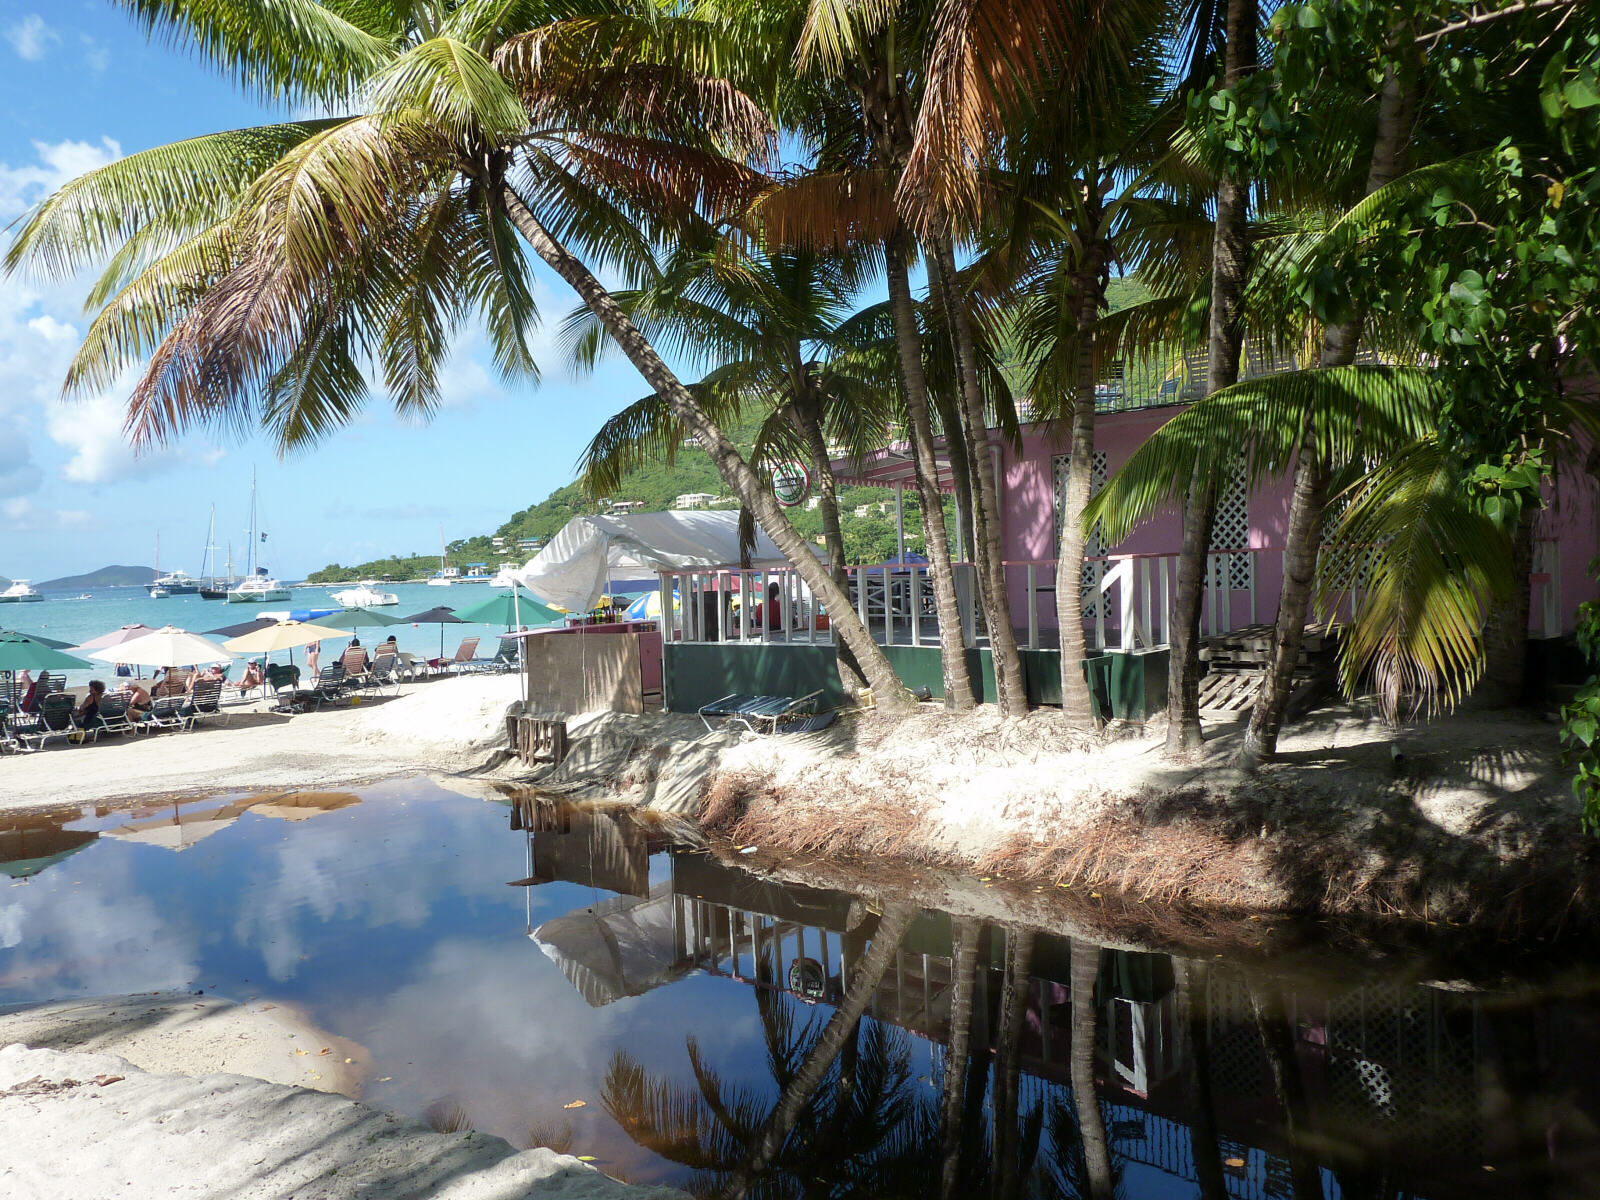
(1230, 691)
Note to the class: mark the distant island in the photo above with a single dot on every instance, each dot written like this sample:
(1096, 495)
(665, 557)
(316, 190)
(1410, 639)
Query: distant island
(104, 577)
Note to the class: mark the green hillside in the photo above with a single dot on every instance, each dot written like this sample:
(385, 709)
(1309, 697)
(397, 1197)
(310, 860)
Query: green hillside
(868, 538)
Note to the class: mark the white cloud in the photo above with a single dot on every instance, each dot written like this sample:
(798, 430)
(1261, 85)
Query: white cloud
(92, 430)
(23, 186)
(29, 518)
(31, 37)
(52, 330)
(95, 55)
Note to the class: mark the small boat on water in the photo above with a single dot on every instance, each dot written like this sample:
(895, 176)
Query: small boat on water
(83, 596)
(446, 574)
(477, 573)
(504, 578)
(365, 596)
(20, 593)
(176, 583)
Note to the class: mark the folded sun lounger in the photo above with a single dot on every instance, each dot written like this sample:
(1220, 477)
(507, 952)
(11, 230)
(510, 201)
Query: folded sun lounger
(760, 714)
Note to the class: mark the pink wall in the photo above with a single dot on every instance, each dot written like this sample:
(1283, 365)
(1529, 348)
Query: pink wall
(1573, 519)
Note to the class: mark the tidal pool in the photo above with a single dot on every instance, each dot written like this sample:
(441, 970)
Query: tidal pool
(562, 977)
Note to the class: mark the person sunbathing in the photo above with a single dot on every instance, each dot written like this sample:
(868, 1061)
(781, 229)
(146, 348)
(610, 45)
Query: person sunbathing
(252, 677)
(139, 701)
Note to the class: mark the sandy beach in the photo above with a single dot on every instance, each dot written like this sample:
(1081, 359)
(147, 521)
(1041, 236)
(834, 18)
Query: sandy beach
(447, 726)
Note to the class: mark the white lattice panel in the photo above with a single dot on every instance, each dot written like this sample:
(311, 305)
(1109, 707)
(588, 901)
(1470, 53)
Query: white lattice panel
(1095, 546)
(1231, 531)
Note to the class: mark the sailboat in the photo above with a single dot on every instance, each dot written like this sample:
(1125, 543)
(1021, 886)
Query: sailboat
(258, 586)
(209, 589)
(157, 592)
(446, 574)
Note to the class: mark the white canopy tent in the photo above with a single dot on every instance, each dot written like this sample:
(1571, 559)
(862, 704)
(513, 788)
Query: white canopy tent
(578, 565)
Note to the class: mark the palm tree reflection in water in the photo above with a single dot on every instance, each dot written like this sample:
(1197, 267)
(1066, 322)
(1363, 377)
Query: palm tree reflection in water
(847, 1115)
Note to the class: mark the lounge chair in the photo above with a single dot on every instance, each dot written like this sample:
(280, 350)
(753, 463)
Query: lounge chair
(756, 712)
(281, 678)
(384, 671)
(113, 715)
(56, 722)
(169, 712)
(464, 655)
(174, 683)
(505, 658)
(205, 701)
(330, 687)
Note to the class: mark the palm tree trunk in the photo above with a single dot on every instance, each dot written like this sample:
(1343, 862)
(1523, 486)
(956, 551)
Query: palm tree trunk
(1230, 263)
(1085, 1100)
(1077, 701)
(1505, 633)
(1194, 1017)
(806, 413)
(952, 645)
(858, 993)
(1307, 505)
(987, 548)
(958, 1049)
(1278, 1044)
(888, 689)
(1008, 1068)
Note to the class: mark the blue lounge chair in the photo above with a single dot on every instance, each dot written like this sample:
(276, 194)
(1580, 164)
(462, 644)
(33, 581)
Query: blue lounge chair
(756, 712)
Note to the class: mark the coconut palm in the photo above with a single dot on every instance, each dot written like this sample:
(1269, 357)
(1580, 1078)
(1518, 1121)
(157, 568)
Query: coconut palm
(261, 271)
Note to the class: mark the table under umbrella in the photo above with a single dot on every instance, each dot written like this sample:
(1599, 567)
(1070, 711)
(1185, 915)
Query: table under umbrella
(440, 616)
(280, 635)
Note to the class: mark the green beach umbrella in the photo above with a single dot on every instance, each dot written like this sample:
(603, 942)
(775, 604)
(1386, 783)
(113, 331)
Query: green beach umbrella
(19, 652)
(355, 618)
(512, 608)
(41, 639)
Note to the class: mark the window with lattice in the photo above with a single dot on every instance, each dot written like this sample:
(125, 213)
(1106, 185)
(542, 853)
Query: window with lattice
(1094, 548)
(1231, 531)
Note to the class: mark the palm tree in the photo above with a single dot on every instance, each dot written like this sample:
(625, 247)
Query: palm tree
(260, 270)
(778, 332)
(1229, 267)
(1091, 1121)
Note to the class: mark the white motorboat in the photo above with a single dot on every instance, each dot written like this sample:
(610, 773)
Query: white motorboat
(19, 593)
(259, 590)
(365, 596)
(504, 578)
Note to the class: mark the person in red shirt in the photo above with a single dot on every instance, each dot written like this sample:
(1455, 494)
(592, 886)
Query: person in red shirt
(773, 617)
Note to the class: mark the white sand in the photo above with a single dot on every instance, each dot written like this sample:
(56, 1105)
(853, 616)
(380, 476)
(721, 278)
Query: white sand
(82, 1125)
(449, 726)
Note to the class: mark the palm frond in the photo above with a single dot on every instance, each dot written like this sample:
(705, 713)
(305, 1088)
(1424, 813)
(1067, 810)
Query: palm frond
(1356, 411)
(292, 51)
(456, 87)
(1424, 566)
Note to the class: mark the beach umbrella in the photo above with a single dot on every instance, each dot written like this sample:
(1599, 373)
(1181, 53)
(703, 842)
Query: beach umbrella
(281, 635)
(648, 606)
(242, 628)
(168, 646)
(181, 830)
(41, 639)
(116, 637)
(19, 652)
(511, 608)
(355, 618)
(26, 850)
(440, 616)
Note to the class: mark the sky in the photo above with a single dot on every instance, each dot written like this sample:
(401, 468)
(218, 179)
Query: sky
(79, 86)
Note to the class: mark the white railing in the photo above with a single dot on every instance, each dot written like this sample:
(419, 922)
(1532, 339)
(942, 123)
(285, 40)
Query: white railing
(1128, 597)
(1127, 602)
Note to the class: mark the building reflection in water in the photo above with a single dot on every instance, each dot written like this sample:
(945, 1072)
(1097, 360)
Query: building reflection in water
(1210, 1078)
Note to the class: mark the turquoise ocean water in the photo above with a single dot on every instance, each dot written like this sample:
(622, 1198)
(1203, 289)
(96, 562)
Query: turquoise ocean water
(61, 615)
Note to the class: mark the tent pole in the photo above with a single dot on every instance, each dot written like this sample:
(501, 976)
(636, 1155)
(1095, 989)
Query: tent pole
(900, 522)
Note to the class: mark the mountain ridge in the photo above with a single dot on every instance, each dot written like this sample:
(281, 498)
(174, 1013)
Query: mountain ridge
(110, 576)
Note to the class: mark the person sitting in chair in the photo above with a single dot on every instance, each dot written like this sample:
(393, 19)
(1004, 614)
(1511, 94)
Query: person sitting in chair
(87, 714)
(139, 701)
(252, 677)
(771, 613)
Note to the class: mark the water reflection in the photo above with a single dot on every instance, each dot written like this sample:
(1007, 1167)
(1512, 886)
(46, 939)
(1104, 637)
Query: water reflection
(1207, 1078)
(718, 1030)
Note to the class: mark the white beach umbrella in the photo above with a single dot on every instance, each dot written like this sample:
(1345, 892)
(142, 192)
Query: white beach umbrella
(285, 635)
(181, 830)
(168, 646)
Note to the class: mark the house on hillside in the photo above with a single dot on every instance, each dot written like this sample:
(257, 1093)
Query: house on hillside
(695, 500)
(1128, 587)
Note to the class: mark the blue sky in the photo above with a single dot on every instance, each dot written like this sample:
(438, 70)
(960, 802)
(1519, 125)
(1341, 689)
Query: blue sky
(79, 85)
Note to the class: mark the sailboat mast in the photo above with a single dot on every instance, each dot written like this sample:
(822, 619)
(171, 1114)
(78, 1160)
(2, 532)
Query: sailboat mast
(252, 559)
(208, 566)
